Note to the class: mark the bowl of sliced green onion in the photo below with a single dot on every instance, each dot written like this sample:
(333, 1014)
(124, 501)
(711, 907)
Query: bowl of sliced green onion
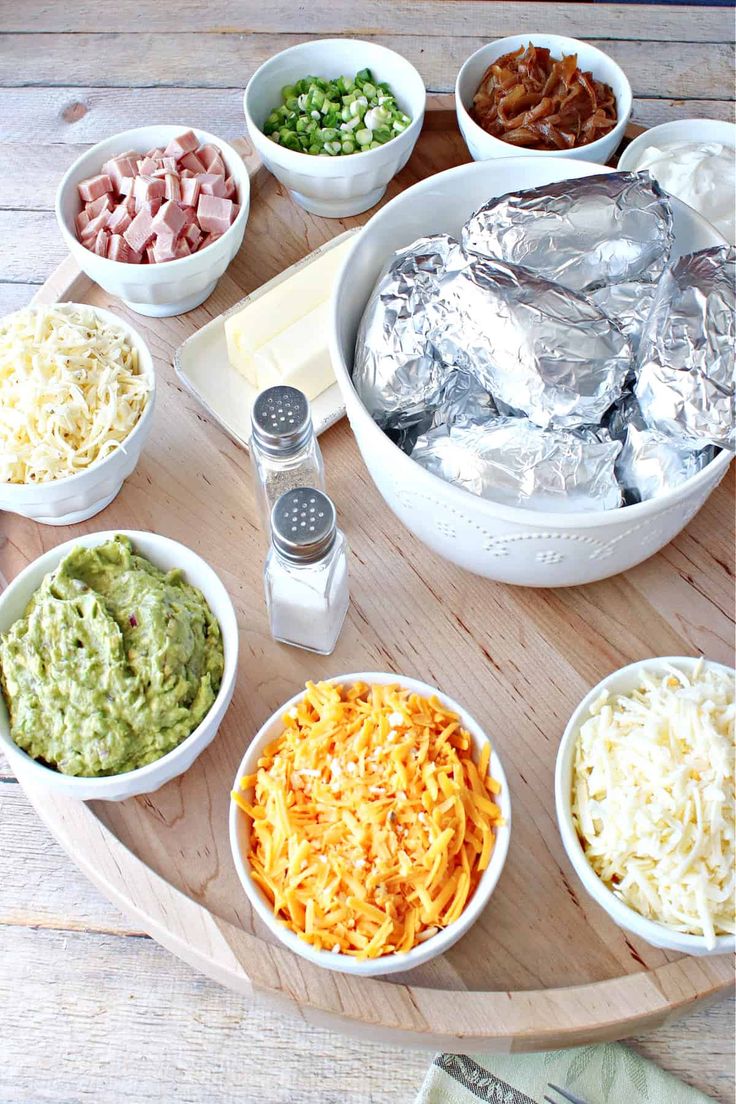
(334, 120)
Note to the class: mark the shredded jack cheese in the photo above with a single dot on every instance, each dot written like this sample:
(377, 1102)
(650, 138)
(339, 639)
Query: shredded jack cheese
(71, 391)
(653, 798)
(371, 823)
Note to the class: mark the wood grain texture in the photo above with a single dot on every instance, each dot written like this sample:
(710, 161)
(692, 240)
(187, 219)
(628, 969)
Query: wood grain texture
(109, 1016)
(435, 19)
(523, 658)
(146, 59)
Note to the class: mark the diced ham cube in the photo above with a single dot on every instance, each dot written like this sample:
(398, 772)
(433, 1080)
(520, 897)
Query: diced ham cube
(150, 255)
(217, 167)
(119, 220)
(208, 239)
(120, 168)
(186, 173)
(81, 221)
(93, 227)
(170, 164)
(104, 203)
(181, 249)
(140, 231)
(169, 221)
(189, 190)
(164, 249)
(234, 212)
(148, 188)
(154, 153)
(183, 143)
(94, 187)
(213, 213)
(119, 250)
(191, 161)
(173, 187)
(193, 235)
(207, 155)
(100, 246)
(211, 184)
(129, 205)
(231, 192)
(148, 165)
(126, 185)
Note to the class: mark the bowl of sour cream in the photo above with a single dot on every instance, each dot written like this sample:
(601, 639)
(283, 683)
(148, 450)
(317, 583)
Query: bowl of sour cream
(694, 160)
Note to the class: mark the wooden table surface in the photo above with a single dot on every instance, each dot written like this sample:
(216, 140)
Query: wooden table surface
(91, 1009)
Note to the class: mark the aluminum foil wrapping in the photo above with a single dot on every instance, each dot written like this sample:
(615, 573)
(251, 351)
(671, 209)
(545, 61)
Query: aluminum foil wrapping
(582, 233)
(537, 347)
(627, 305)
(397, 370)
(515, 462)
(686, 372)
(461, 401)
(650, 462)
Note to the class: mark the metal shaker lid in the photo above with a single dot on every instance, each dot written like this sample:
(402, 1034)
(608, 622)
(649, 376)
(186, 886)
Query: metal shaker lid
(303, 525)
(281, 420)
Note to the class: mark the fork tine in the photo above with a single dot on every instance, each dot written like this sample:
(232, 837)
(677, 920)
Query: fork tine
(573, 1099)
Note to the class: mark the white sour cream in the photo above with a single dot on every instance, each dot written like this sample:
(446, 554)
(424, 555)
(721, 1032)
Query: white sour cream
(701, 174)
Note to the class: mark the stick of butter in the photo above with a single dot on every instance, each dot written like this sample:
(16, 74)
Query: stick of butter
(281, 336)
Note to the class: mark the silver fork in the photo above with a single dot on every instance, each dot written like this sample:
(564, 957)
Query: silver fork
(571, 1097)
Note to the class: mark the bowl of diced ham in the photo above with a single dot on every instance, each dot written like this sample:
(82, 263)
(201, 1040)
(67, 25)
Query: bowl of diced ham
(155, 215)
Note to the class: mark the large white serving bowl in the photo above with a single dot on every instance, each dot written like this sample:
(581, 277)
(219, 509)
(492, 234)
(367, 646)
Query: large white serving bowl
(623, 681)
(78, 497)
(483, 145)
(334, 187)
(506, 543)
(165, 554)
(436, 944)
(172, 287)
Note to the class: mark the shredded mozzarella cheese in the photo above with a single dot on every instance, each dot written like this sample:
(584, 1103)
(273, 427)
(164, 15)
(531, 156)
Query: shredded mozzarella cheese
(363, 846)
(653, 798)
(71, 391)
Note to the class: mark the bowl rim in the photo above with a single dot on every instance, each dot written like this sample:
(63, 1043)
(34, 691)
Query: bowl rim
(636, 146)
(490, 509)
(65, 185)
(36, 771)
(653, 931)
(296, 160)
(446, 937)
(624, 97)
(145, 360)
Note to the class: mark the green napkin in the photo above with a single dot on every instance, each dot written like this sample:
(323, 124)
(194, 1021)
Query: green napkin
(608, 1073)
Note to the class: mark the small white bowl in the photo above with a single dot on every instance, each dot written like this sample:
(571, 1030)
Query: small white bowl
(172, 287)
(432, 947)
(624, 680)
(334, 187)
(681, 130)
(80, 496)
(165, 554)
(483, 146)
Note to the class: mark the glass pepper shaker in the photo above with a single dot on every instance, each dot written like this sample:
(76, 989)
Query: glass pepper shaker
(306, 572)
(284, 448)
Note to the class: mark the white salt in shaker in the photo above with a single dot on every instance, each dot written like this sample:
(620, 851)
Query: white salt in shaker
(284, 448)
(306, 572)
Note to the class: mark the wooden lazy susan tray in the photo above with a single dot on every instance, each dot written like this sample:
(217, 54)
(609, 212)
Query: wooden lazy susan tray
(543, 967)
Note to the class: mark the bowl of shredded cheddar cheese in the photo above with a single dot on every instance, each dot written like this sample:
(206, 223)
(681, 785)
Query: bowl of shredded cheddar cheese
(644, 788)
(369, 823)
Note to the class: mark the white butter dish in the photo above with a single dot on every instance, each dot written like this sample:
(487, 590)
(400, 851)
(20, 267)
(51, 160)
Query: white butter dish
(202, 365)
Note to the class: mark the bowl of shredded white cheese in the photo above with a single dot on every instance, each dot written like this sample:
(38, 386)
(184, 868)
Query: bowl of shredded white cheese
(644, 789)
(77, 390)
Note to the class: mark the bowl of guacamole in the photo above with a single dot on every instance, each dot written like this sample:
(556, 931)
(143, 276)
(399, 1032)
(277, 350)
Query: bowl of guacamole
(118, 654)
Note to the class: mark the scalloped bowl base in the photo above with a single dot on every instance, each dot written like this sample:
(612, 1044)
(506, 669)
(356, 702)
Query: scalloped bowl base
(166, 310)
(339, 208)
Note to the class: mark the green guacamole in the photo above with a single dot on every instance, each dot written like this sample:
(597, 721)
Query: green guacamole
(113, 664)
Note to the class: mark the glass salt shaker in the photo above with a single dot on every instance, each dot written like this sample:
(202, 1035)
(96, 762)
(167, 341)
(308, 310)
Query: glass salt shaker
(306, 572)
(284, 448)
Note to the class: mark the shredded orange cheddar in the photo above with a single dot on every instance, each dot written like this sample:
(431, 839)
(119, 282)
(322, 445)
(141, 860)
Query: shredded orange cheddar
(371, 823)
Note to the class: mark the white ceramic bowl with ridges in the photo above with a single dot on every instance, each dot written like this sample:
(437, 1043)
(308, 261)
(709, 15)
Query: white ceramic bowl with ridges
(334, 187)
(436, 944)
(483, 145)
(78, 497)
(507, 543)
(623, 681)
(172, 287)
(165, 554)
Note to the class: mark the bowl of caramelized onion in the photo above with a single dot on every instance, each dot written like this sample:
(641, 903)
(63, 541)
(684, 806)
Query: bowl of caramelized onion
(542, 94)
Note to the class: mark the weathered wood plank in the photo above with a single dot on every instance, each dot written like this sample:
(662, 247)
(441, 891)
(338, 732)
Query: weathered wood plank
(701, 70)
(435, 18)
(100, 1013)
(32, 246)
(13, 297)
(80, 116)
